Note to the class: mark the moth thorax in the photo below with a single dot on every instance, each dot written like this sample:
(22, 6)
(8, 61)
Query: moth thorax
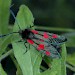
(25, 33)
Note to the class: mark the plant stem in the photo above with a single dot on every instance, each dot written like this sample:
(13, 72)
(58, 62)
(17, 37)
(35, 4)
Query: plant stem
(5, 55)
(54, 29)
(70, 67)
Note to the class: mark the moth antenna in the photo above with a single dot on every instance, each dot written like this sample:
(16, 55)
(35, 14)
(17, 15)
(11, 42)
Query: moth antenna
(7, 34)
(14, 17)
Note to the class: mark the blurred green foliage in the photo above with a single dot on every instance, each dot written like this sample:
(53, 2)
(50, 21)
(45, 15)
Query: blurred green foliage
(53, 13)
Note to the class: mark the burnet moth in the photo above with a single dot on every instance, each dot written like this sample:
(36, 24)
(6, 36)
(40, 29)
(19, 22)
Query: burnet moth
(47, 43)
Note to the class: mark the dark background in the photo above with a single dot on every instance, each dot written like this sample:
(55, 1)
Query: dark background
(53, 13)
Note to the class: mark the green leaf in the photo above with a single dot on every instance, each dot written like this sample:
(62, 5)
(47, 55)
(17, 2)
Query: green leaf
(4, 44)
(4, 15)
(24, 19)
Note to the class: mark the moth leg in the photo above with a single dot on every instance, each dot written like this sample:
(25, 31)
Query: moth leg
(19, 41)
(42, 55)
(31, 26)
(25, 46)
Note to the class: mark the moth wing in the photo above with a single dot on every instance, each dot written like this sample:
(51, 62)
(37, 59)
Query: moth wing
(53, 51)
(45, 48)
(56, 39)
(53, 39)
(48, 41)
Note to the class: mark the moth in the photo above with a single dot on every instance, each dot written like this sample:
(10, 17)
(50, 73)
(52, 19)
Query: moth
(46, 43)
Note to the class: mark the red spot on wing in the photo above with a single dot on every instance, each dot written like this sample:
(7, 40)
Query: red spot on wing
(47, 53)
(54, 36)
(40, 47)
(34, 31)
(45, 35)
(30, 41)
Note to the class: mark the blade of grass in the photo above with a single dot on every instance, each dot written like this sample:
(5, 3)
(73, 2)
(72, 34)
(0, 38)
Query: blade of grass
(4, 15)
(39, 27)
